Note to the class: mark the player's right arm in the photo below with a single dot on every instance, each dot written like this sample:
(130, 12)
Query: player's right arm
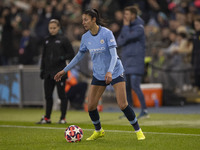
(74, 61)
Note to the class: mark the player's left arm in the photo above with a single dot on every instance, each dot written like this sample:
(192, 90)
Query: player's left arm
(110, 39)
(113, 52)
(113, 61)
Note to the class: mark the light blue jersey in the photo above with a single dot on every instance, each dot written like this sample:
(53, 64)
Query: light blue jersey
(98, 46)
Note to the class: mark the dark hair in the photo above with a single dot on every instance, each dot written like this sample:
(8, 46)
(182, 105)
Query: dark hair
(94, 14)
(55, 21)
(132, 9)
(182, 34)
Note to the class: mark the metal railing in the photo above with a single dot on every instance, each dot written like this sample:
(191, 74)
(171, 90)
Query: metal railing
(21, 85)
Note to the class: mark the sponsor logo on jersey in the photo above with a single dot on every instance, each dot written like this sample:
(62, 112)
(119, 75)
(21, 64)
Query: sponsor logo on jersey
(46, 42)
(97, 50)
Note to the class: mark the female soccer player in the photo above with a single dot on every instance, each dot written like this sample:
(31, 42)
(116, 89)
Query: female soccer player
(107, 69)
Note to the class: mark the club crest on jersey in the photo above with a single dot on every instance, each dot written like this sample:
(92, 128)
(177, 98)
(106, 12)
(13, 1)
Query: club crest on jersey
(102, 41)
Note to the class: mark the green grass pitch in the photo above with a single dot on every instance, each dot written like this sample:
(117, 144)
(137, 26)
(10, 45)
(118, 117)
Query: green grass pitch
(18, 131)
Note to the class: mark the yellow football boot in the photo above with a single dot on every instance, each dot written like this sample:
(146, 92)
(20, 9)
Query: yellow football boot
(140, 135)
(96, 135)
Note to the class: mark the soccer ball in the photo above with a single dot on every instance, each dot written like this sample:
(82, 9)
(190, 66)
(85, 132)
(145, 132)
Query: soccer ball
(73, 133)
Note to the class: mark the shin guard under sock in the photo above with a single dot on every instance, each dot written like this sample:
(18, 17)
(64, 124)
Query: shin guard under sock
(130, 115)
(94, 115)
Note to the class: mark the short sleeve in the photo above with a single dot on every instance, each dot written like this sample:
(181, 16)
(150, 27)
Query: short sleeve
(111, 39)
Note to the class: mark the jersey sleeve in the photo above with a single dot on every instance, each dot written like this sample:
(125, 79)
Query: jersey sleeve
(111, 39)
(83, 47)
(74, 61)
(113, 61)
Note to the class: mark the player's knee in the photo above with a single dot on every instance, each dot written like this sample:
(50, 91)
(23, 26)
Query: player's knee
(122, 106)
(91, 107)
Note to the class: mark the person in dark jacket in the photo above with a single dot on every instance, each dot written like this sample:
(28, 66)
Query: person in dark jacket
(57, 49)
(7, 37)
(28, 46)
(132, 41)
(196, 53)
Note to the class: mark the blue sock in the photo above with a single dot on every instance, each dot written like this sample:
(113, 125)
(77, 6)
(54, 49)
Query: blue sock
(94, 115)
(130, 115)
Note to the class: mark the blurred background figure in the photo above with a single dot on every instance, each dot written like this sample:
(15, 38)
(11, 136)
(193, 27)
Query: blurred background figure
(196, 53)
(6, 37)
(56, 50)
(75, 89)
(132, 41)
(28, 46)
(177, 62)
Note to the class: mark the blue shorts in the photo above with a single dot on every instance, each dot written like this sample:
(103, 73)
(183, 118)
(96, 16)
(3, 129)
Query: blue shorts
(95, 81)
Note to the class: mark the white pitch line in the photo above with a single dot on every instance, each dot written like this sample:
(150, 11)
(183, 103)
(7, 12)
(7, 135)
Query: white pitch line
(119, 131)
